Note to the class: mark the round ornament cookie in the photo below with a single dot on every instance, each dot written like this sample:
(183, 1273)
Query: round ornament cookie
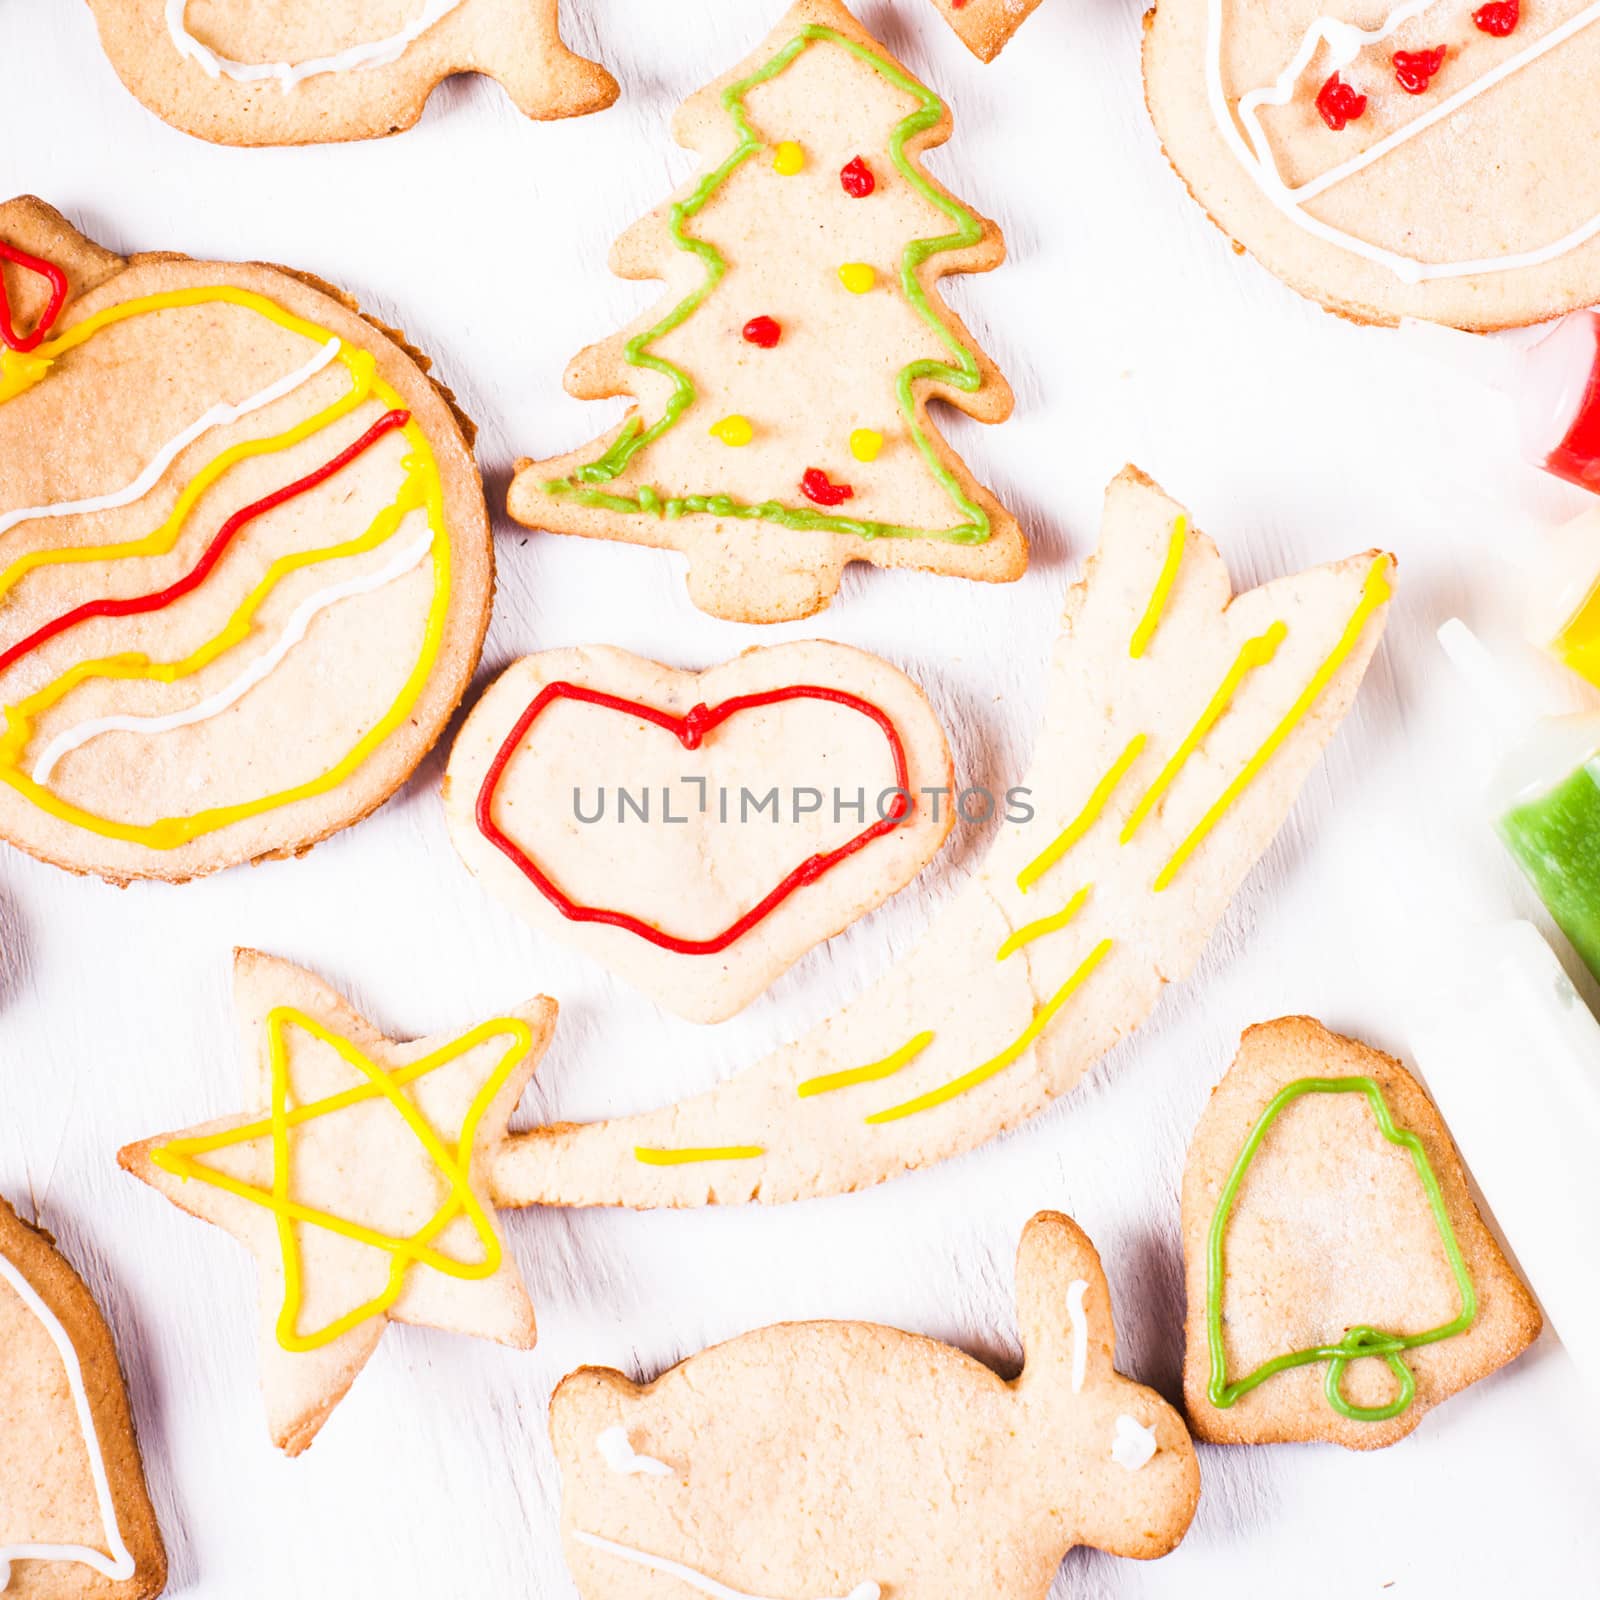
(318, 71)
(1420, 158)
(245, 562)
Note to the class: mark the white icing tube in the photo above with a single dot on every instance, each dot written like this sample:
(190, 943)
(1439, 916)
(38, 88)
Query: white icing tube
(290, 74)
(1076, 1290)
(293, 632)
(617, 1451)
(120, 1564)
(698, 1580)
(1133, 1445)
(219, 416)
(1344, 42)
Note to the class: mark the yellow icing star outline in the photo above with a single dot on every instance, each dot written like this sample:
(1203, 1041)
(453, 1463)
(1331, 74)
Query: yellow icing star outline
(176, 1158)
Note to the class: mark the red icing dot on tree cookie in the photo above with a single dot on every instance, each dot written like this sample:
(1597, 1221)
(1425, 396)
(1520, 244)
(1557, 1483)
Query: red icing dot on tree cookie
(816, 487)
(1499, 18)
(1339, 103)
(1414, 69)
(763, 331)
(54, 276)
(857, 179)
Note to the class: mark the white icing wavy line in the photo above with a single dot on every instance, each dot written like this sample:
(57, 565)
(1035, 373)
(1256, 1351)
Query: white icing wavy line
(120, 1565)
(616, 1450)
(219, 416)
(294, 631)
(697, 1580)
(1076, 1290)
(290, 74)
(1256, 156)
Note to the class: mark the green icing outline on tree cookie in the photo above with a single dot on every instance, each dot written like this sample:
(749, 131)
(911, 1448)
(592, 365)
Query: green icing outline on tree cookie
(965, 376)
(1358, 1341)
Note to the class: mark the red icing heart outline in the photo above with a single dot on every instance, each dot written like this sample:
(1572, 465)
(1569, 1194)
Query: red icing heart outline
(23, 343)
(690, 731)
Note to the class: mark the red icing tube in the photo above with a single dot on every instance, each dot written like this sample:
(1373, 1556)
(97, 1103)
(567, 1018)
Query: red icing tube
(54, 276)
(1577, 457)
(690, 731)
(136, 605)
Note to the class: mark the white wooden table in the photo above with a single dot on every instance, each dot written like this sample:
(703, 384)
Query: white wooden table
(1131, 332)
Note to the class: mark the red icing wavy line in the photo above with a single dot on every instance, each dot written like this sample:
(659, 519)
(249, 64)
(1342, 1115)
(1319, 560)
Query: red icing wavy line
(690, 730)
(135, 605)
(57, 279)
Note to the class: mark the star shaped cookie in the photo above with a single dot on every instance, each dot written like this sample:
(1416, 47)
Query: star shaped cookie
(358, 1180)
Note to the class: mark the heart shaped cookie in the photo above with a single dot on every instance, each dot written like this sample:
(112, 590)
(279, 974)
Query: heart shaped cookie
(698, 832)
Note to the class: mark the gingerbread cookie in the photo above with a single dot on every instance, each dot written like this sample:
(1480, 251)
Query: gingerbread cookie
(1180, 724)
(698, 832)
(358, 1180)
(1340, 1280)
(315, 71)
(1428, 160)
(781, 425)
(841, 1458)
(75, 1518)
(986, 26)
(245, 563)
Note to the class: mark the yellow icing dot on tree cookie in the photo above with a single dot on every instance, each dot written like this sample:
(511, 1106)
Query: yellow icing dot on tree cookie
(788, 159)
(865, 443)
(733, 430)
(857, 276)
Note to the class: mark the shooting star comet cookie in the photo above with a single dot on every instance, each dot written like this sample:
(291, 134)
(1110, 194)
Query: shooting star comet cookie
(315, 71)
(1180, 724)
(852, 1461)
(358, 1179)
(245, 563)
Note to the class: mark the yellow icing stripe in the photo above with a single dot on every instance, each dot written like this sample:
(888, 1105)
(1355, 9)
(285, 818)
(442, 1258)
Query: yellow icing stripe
(1151, 619)
(178, 1159)
(872, 1072)
(1375, 591)
(685, 1158)
(1030, 931)
(1084, 820)
(1019, 1047)
(1255, 653)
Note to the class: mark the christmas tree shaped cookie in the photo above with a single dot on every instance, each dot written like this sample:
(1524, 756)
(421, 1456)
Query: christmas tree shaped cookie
(1340, 1279)
(781, 426)
(358, 1181)
(986, 26)
(75, 1519)
(309, 72)
(245, 564)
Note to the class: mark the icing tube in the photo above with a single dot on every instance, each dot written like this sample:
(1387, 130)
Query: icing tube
(696, 1580)
(290, 74)
(295, 629)
(120, 1564)
(219, 416)
(1511, 1055)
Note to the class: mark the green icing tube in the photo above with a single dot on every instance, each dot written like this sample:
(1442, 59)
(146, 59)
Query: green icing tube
(1554, 836)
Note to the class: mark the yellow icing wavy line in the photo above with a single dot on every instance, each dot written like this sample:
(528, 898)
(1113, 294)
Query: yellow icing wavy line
(1084, 820)
(871, 1072)
(1151, 619)
(177, 1158)
(1374, 592)
(1030, 931)
(684, 1158)
(1013, 1051)
(1254, 653)
(171, 832)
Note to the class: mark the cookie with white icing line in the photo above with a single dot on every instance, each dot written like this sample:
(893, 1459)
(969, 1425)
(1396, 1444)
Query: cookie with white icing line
(358, 1179)
(245, 562)
(698, 832)
(316, 71)
(1340, 1280)
(75, 1518)
(1421, 158)
(986, 26)
(848, 1460)
(1180, 723)
(781, 425)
